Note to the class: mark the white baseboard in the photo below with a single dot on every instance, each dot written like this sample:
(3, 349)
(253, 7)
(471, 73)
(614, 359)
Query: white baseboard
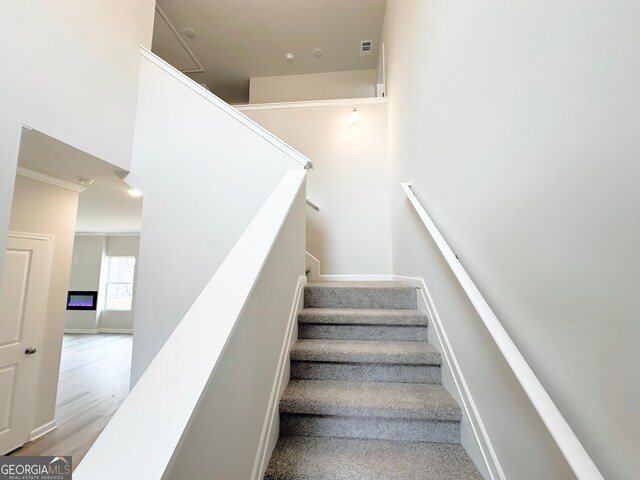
(315, 276)
(468, 404)
(43, 430)
(313, 264)
(99, 330)
(355, 278)
(270, 429)
(116, 330)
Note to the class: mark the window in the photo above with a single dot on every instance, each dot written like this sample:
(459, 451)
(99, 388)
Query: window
(120, 283)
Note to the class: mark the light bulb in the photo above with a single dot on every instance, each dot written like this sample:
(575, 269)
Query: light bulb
(355, 116)
(134, 193)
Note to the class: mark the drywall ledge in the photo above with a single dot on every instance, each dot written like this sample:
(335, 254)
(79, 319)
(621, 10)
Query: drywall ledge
(340, 102)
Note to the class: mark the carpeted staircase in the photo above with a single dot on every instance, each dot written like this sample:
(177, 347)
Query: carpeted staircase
(365, 400)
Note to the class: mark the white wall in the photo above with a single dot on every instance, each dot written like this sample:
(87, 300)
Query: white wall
(351, 234)
(518, 126)
(89, 272)
(86, 268)
(204, 175)
(42, 208)
(313, 86)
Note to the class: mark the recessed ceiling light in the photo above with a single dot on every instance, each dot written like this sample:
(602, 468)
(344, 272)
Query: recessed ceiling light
(86, 181)
(190, 32)
(134, 193)
(289, 57)
(318, 53)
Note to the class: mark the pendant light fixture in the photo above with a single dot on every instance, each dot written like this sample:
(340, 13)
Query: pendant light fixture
(355, 116)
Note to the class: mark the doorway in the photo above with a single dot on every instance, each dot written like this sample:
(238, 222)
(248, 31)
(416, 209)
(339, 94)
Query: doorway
(23, 296)
(64, 371)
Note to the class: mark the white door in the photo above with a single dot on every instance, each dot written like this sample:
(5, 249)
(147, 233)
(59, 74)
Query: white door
(23, 298)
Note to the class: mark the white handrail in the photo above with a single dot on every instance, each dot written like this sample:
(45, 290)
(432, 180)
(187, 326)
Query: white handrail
(159, 409)
(571, 448)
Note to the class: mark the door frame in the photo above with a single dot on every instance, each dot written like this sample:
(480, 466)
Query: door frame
(49, 242)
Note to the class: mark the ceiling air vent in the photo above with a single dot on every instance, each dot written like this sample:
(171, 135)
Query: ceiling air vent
(365, 48)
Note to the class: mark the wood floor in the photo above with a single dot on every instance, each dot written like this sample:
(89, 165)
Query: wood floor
(94, 380)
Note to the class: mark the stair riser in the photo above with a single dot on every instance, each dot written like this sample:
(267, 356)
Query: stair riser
(370, 298)
(367, 372)
(362, 332)
(370, 428)
(352, 317)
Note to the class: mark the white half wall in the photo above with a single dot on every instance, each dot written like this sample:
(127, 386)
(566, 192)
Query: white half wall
(72, 73)
(351, 233)
(228, 433)
(204, 175)
(212, 390)
(517, 125)
(42, 208)
(313, 86)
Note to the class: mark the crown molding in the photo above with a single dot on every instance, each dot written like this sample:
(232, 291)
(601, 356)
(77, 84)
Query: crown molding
(51, 180)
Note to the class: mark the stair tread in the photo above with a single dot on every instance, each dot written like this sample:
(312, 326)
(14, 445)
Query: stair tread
(378, 295)
(366, 399)
(362, 316)
(317, 458)
(347, 284)
(365, 351)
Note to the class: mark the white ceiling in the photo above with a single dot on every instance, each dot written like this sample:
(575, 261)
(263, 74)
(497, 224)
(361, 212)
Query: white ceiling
(239, 39)
(105, 206)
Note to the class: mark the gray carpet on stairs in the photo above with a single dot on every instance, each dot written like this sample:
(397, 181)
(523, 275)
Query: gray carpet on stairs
(362, 316)
(369, 399)
(369, 295)
(364, 400)
(365, 351)
(310, 458)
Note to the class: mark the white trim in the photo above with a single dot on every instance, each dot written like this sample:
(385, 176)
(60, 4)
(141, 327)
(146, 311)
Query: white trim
(340, 102)
(173, 29)
(43, 430)
(315, 276)
(270, 431)
(127, 331)
(355, 278)
(81, 330)
(51, 180)
(99, 330)
(226, 108)
(574, 453)
(314, 266)
(32, 236)
(106, 234)
(468, 404)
